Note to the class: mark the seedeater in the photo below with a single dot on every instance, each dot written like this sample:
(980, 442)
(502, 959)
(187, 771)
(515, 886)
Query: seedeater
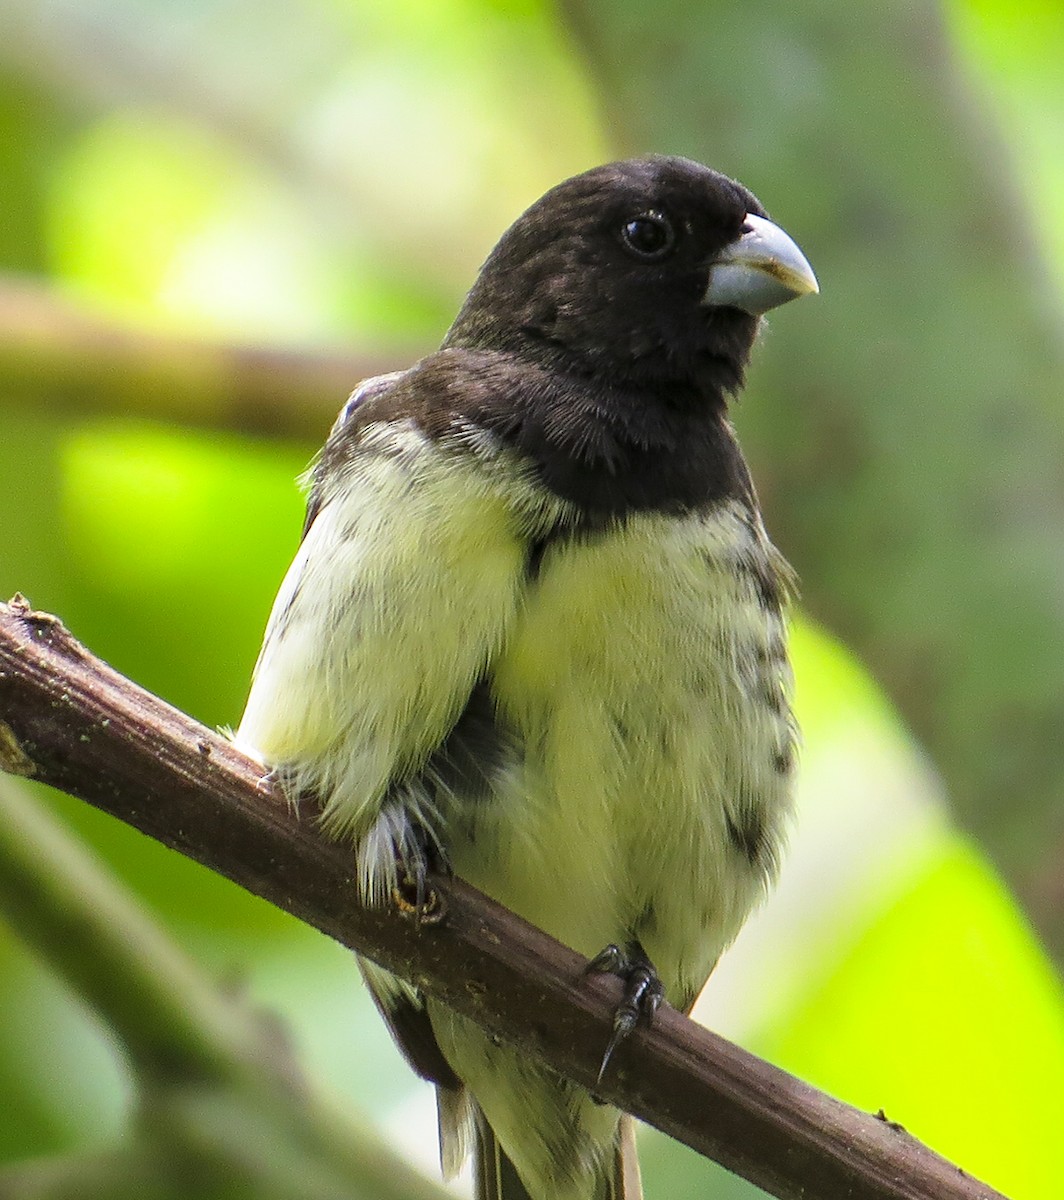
(535, 631)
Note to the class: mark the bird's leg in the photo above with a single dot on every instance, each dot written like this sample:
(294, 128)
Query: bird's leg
(643, 991)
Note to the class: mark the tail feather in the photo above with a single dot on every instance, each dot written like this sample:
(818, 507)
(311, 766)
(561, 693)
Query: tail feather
(495, 1178)
(625, 1182)
(456, 1115)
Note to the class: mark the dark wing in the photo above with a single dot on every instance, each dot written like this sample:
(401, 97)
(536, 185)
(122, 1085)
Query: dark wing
(406, 1018)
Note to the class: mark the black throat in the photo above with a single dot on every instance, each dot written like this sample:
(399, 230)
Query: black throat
(611, 448)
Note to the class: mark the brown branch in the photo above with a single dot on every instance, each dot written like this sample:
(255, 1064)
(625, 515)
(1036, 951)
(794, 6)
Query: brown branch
(54, 346)
(69, 720)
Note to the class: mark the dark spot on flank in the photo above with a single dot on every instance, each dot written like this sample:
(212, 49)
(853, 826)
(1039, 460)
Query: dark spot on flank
(767, 583)
(621, 731)
(747, 833)
(645, 923)
(783, 760)
(774, 651)
(772, 696)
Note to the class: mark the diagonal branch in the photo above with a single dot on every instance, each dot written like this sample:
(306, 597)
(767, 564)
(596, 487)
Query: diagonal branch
(69, 720)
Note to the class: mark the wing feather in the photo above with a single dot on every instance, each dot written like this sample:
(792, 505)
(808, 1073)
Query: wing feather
(402, 591)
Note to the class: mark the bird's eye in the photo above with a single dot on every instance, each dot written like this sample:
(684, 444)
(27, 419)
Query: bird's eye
(649, 236)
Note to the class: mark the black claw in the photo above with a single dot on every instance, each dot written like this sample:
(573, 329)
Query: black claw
(643, 992)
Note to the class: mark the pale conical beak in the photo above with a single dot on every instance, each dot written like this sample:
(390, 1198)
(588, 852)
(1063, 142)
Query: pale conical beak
(761, 270)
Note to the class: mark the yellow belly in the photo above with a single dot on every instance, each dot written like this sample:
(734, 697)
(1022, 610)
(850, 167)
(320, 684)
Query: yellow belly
(635, 683)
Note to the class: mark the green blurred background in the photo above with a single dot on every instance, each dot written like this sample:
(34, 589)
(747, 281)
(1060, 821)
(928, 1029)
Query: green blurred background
(214, 215)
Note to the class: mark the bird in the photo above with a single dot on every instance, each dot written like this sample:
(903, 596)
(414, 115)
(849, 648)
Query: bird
(535, 634)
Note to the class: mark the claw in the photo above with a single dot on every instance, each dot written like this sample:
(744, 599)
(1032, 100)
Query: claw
(418, 902)
(413, 895)
(643, 992)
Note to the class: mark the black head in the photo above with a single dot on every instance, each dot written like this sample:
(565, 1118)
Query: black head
(608, 273)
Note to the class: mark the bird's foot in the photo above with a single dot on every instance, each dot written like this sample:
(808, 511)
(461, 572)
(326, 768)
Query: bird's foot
(418, 854)
(643, 991)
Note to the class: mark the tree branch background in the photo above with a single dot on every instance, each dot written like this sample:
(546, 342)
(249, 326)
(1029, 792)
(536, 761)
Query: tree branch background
(228, 213)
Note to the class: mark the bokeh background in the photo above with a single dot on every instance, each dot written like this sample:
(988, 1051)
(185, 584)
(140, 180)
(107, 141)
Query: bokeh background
(215, 216)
